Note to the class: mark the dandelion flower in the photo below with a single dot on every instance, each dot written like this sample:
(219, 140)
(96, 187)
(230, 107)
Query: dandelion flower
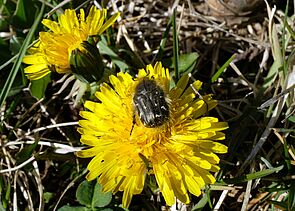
(71, 30)
(39, 66)
(180, 152)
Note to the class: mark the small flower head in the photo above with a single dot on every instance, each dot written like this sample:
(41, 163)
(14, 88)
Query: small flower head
(66, 35)
(179, 151)
(86, 63)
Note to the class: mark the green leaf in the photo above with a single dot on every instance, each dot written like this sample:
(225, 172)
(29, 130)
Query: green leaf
(47, 196)
(105, 50)
(7, 195)
(84, 193)
(26, 153)
(186, 63)
(7, 8)
(290, 30)
(100, 199)
(3, 24)
(17, 63)
(272, 74)
(201, 204)
(70, 208)
(292, 119)
(5, 54)
(38, 87)
(20, 13)
(90, 195)
(1, 207)
(24, 13)
(15, 89)
(222, 69)
(253, 176)
(15, 44)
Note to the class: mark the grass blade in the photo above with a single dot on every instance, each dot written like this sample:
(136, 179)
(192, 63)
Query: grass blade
(16, 65)
(175, 46)
(163, 41)
(252, 176)
(222, 69)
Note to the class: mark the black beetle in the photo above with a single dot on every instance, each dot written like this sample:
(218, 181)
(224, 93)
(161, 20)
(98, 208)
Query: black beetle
(150, 103)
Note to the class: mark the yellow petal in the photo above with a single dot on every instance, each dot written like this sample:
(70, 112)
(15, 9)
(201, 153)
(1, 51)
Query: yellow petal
(86, 153)
(192, 185)
(108, 23)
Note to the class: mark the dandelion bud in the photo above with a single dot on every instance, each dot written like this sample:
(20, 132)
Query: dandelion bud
(86, 63)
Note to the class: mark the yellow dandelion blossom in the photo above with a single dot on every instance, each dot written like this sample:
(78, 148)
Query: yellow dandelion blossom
(39, 67)
(180, 151)
(65, 36)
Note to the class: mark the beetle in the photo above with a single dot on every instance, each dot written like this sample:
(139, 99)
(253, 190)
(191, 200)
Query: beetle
(151, 103)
